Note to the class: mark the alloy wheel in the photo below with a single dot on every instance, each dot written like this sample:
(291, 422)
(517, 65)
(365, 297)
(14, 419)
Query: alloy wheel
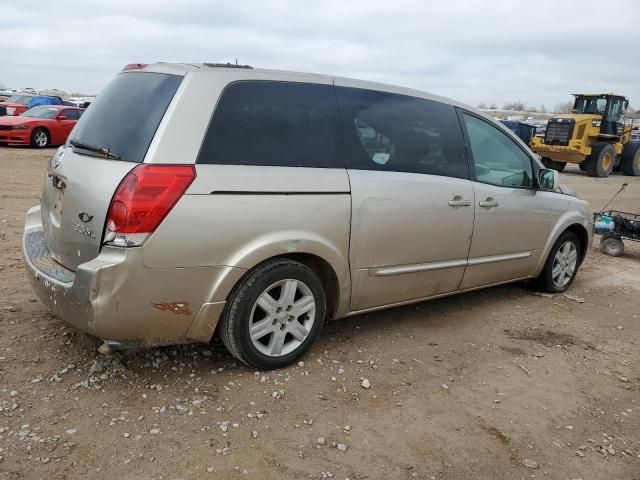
(282, 317)
(40, 138)
(564, 264)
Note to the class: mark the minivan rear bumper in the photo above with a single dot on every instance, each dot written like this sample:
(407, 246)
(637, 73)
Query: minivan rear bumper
(115, 297)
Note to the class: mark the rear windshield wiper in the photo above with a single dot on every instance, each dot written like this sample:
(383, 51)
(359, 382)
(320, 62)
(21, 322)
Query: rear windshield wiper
(94, 148)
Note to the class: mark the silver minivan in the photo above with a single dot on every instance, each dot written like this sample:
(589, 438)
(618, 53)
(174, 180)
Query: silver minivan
(191, 199)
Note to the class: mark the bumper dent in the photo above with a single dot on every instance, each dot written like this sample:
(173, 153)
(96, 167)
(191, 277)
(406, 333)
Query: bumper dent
(115, 297)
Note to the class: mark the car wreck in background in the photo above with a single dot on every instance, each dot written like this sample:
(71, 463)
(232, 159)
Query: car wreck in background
(21, 102)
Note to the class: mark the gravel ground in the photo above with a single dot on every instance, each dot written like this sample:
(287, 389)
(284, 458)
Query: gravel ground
(501, 383)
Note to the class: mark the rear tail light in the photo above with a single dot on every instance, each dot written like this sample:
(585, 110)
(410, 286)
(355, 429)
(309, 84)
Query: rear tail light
(142, 200)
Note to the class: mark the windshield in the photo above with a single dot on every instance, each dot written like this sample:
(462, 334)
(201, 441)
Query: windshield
(593, 105)
(23, 99)
(40, 112)
(125, 116)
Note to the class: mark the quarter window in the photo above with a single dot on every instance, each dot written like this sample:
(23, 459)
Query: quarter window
(275, 123)
(498, 160)
(385, 131)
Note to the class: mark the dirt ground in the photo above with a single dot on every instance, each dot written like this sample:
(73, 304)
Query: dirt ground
(495, 384)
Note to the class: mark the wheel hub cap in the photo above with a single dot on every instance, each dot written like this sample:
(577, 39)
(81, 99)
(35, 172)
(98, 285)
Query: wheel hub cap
(282, 317)
(564, 264)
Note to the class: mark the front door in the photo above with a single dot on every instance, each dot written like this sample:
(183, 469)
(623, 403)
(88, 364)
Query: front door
(511, 220)
(64, 125)
(412, 200)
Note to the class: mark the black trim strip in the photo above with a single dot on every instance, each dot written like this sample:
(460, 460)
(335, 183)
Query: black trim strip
(248, 192)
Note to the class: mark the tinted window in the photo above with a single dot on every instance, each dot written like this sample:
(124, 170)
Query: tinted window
(70, 114)
(126, 114)
(275, 123)
(497, 158)
(399, 133)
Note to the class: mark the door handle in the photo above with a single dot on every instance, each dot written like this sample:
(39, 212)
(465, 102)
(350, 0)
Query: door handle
(489, 203)
(458, 201)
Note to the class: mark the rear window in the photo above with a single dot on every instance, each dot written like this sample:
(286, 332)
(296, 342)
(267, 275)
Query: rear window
(126, 114)
(22, 99)
(276, 124)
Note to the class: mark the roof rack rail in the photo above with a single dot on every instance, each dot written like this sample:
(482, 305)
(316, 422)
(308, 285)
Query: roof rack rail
(227, 65)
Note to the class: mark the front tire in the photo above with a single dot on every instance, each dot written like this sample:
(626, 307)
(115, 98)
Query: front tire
(601, 161)
(274, 314)
(562, 264)
(630, 162)
(40, 138)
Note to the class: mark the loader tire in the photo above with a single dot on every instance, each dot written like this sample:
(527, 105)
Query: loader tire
(630, 162)
(552, 164)
(601, 161)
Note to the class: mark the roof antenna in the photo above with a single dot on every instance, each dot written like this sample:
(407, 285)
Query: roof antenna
(624, 185)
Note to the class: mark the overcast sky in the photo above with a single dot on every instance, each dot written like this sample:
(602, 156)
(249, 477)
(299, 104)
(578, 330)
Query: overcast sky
(536, 51)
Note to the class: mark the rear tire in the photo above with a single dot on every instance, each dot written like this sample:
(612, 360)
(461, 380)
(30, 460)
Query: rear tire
(40, 138)
(552, 164)
(601, 161)
(630, 162)
(612, 246)
(562, 264)
(264, 325)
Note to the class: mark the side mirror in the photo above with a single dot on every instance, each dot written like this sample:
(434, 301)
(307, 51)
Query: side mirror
(548, 179)
(63, 117)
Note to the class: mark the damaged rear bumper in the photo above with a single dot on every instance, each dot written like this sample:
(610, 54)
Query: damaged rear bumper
(115, 297)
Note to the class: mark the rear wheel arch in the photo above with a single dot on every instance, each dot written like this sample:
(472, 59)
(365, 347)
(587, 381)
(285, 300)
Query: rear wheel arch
(318, 265)
(237, 325)
(327, 275)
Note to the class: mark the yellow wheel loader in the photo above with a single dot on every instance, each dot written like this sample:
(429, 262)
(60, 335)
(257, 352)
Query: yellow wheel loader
(595, 135)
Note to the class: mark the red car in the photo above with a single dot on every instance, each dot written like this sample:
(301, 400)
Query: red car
(41, 126)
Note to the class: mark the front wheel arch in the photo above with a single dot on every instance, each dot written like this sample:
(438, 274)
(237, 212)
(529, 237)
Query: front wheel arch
(569, 222)
(546, 280)
(583, 237)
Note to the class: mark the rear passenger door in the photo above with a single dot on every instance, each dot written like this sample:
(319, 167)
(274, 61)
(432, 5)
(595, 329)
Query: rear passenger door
(511, 218)
(412, 201)
(271, 180)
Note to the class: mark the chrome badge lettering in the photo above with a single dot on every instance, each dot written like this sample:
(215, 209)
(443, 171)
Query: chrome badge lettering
(84, 230)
